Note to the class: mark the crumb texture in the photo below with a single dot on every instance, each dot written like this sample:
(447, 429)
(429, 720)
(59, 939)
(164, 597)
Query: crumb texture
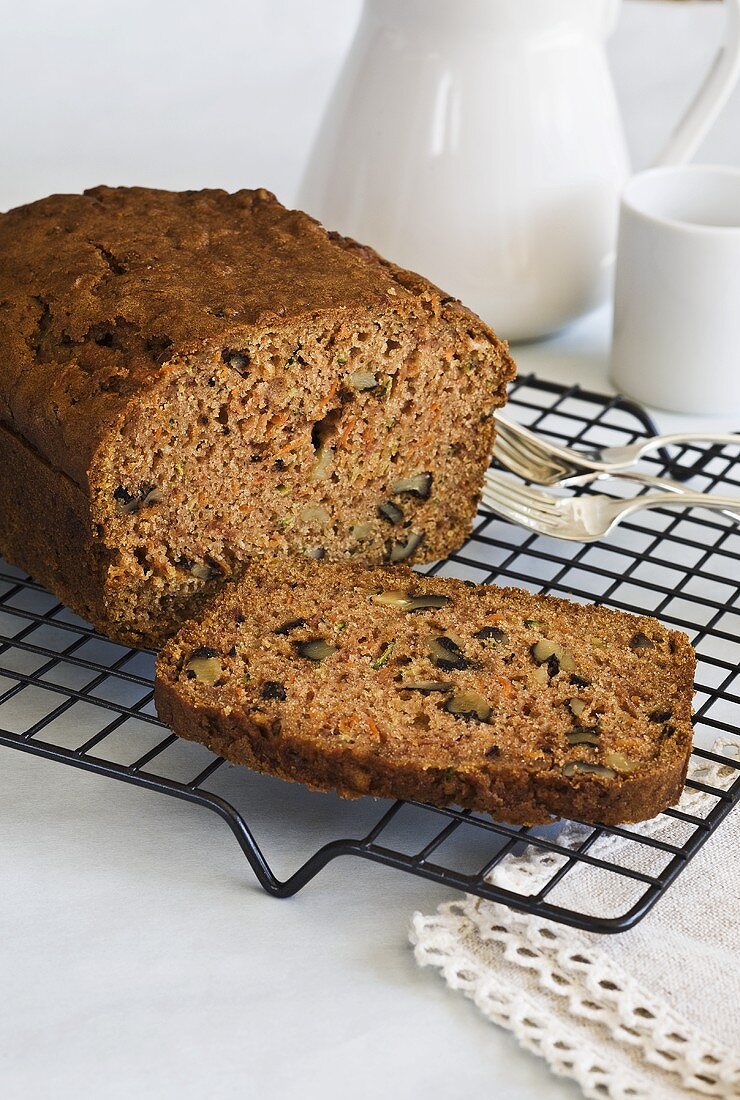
(388, 683)
(213, 377)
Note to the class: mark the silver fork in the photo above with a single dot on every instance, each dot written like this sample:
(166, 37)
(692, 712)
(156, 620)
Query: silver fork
(548, 463)
(581, 519)
(636, 476)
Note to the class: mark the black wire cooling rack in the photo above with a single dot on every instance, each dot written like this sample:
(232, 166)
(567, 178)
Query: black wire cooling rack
(71, 696)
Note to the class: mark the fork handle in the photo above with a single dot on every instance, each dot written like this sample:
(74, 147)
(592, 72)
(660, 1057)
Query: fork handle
(678, 438)
(662, 483)
(595, 477)
(685, 500)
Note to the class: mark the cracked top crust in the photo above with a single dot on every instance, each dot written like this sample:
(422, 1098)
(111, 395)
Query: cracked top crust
(101, 293)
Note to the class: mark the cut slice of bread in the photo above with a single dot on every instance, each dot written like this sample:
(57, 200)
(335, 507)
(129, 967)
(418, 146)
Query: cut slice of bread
(384, 682)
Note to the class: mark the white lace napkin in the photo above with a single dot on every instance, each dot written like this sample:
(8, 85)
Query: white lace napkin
(649, 1013)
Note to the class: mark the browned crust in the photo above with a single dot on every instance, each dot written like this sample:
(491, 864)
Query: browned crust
(45, 528)
(173, 272)
(516, 793)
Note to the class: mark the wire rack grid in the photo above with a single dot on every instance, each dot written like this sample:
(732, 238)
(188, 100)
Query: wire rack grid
(71, 696)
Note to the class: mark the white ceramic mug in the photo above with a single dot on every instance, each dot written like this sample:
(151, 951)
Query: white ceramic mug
(677, 296)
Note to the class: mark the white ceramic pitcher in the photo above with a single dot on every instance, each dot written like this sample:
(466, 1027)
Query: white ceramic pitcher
(480, 142)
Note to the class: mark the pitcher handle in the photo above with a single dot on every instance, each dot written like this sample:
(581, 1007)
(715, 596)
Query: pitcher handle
(712, 96)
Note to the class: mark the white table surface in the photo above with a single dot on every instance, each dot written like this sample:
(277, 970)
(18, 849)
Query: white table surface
(137, 955)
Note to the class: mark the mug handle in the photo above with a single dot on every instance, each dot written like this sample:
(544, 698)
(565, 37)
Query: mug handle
(712, 96)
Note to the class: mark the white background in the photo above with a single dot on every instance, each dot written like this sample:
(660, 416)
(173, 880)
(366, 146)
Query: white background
(136, 956)
(228, 93)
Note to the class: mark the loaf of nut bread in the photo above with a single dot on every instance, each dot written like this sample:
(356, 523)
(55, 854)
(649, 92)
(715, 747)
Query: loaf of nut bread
(387, 683)
(191, 379)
